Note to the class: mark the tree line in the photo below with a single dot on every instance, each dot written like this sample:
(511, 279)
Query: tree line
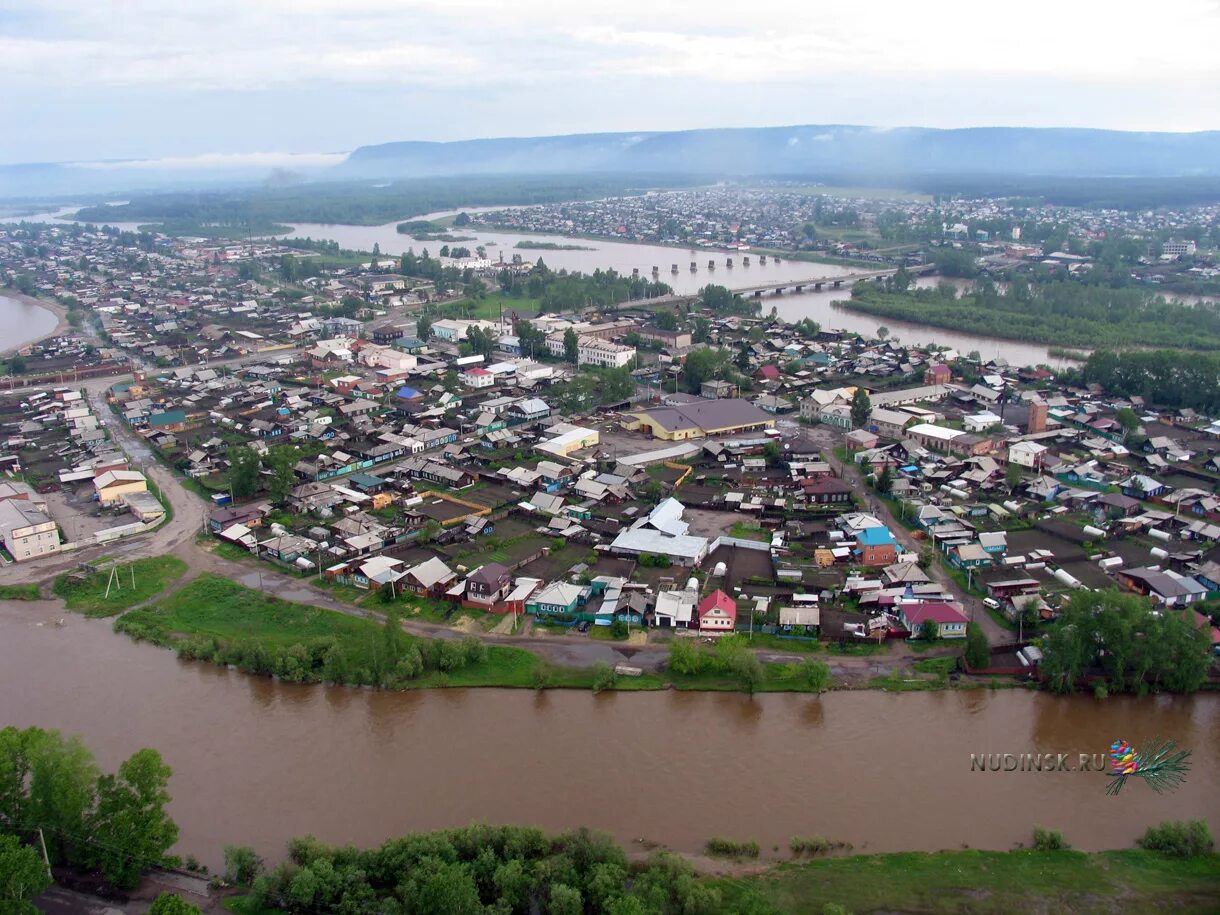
(1064, 312)
(1168, 378)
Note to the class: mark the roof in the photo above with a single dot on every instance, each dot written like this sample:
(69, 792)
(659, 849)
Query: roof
(430, 572)
(118, 478)
(937, 611)
(718, 601)
(874, 536)
(489, 574)
(726, 413)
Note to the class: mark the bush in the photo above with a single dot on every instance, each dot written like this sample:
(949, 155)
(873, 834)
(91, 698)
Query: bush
(1179, 838)
(242, 864)
(978, 653)
(728, 848)
(816, 845)
(618, 630)
(1049, 840)
(604, 677)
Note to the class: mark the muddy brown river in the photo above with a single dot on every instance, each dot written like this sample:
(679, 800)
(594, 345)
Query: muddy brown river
(257, 762)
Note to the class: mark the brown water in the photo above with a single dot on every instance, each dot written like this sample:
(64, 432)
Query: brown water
(258, 762)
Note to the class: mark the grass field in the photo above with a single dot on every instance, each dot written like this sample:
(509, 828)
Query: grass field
(19, 592)
(87, 595)
(981, 882)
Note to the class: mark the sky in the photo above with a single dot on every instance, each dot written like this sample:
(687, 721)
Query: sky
(297, 82)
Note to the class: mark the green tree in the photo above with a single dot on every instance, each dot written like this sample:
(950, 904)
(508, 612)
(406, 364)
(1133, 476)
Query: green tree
(885, 480)
(131, 816)
(242, 864)
(929, 631)
(571, 346)
(978, 653)
(564, 900)
(62, 785)
(1012, 476)
(244, 466)
(747, 670)
(861, 408)
(816, 675)
(685, 657)
(531, 339)
(282, 459)
(392, 638)
(169, 904)
(23, 877)
(1128, 419)
(423, 328)
(604, 677)
(705, 364)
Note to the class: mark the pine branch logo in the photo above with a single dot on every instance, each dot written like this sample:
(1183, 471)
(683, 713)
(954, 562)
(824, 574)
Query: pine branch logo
(1160, 764)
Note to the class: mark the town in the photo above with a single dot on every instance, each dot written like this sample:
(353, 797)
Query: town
(631, 474)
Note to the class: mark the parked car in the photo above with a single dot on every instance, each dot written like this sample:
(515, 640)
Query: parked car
(583, 626)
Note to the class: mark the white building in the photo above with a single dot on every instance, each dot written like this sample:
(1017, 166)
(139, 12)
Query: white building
(592, 351)
(27, 531)
(478, 377)
(1026, 454)
(1173, 248)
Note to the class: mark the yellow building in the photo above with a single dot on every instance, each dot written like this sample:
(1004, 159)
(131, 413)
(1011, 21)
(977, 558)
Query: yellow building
(112, 485)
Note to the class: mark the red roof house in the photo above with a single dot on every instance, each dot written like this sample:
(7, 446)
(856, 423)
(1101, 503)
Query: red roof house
(717, 612)
(768, 372)
(950, 620)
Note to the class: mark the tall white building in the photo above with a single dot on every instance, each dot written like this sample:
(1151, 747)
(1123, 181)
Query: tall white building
(592, 351)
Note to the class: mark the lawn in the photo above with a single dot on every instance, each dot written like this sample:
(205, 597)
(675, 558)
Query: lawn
(87, 594)
(19, 592)
(985, 882)
(745, 530)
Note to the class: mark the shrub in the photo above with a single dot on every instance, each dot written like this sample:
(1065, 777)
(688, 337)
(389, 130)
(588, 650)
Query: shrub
(815, 846)
(1049, 840)
(618, 629)
(604, 677)
(728, 848)
(1179, 838)
(242, 864)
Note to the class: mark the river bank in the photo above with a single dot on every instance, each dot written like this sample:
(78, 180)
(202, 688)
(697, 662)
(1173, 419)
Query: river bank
(13, 336)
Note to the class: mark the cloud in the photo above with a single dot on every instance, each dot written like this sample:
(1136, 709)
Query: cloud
(257, 160)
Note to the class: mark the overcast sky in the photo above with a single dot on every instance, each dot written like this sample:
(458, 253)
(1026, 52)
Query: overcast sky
(182, 78)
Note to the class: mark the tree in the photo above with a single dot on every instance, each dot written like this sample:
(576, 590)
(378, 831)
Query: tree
(483, 342)
(242, 864)
(666, 320)
(604, 677)
(882, 332)
(531, 339)
(392, 638)
(1128, 419)
(564, 900)
(978, 652)
(901, 281)
(929, 631)
(861, 408)
(704, 364)
(816, 675)
(169, 904)
(748, 670)
(23, 877)
(244, 466)
(927, 556)
(685, 657)
(571, 346)
(1012, 476)
(423, 328)
(282, 459)
(772, 452)
(131, 815)
(885, 480)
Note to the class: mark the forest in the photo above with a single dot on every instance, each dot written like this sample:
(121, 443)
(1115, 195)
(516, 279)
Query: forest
(1063, 312)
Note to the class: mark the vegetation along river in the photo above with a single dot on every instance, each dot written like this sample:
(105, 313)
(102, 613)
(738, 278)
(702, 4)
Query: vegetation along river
(257, 761)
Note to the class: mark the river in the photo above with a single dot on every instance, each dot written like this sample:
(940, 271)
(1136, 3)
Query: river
(257, 762)
(626, 257)
(21, 322)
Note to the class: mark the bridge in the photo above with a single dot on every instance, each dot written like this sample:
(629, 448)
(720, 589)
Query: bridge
(814, 284)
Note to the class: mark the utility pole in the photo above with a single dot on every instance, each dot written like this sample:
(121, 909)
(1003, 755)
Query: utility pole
(45, 859)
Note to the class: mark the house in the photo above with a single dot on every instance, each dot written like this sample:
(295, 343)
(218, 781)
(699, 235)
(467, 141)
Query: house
(431, 578)
(112, 485)
(1165, 587)
(477, 377)
(717, 612)
(889, 423)
(826, 490)
(969, 556)
(1027, 454)
(768, 372)
(937, 374)
(27, 531)
(1139, 486)
(861, 438)
(488, 583)
(875, 547)
(950, 622)
(560, 598)
(674, 609)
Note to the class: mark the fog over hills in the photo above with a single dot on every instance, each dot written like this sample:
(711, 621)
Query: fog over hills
(866, 153)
